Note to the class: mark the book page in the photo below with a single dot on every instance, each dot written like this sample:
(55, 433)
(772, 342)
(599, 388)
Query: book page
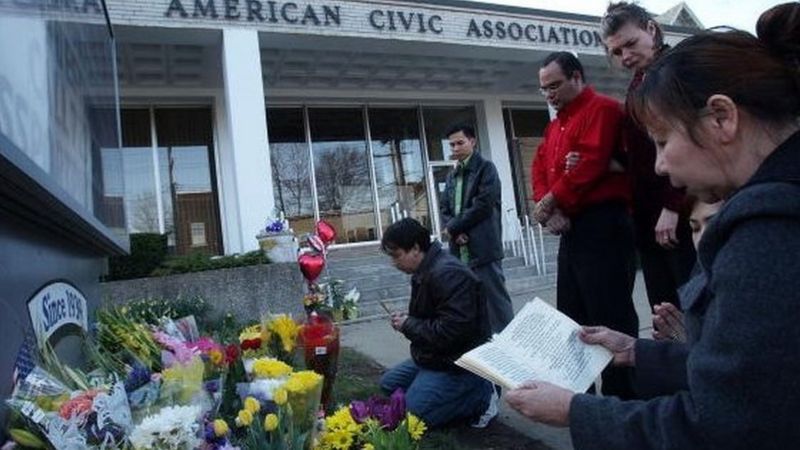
(493, 363)
(544, 343)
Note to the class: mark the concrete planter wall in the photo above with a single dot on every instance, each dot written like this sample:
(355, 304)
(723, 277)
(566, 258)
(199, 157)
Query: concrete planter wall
(245, 292)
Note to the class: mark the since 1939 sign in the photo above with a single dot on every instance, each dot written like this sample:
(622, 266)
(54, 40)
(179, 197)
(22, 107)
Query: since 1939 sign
(55, 305)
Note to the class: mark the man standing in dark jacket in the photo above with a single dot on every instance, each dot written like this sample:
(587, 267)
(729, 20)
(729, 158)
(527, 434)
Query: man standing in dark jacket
(446, 318)
(660, 221)
(471, 212)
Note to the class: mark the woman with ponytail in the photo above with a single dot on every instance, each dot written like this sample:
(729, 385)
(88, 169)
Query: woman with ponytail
(722, 108)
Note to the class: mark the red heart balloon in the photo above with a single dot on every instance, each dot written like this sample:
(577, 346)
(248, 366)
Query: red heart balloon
(311, 265)
(326, 232)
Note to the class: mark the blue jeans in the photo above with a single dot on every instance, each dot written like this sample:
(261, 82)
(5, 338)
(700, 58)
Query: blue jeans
(438, 397)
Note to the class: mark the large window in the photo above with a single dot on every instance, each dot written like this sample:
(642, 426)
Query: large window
(54, 72)
(524, 130)
(164, 183)
(399, 166)
(342, 172)
(345, 164)
(291, 167)
(438, 120)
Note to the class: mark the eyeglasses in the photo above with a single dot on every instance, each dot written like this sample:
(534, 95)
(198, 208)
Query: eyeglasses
(552, 87)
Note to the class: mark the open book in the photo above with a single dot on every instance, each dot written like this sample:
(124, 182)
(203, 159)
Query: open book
(541, 344)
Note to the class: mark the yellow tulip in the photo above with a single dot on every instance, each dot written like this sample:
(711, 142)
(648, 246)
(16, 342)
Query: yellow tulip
(220, 428)
(280, 397)
(270, 422)
(252, 405)
(244, 418)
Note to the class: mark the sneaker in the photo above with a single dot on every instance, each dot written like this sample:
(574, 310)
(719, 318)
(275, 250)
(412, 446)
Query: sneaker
(490, 413)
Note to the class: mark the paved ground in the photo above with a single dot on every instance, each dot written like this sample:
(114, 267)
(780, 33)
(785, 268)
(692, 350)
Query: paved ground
(377, 340)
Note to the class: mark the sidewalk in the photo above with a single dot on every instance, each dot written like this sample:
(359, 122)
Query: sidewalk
(380, 342)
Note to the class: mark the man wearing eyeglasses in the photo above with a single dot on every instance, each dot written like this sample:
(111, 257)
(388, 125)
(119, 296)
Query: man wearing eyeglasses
(586, 203)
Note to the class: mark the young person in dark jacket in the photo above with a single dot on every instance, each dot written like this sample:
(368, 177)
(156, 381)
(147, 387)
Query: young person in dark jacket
(726, 134)
(446, 318)
(471, 212)
(634, 40)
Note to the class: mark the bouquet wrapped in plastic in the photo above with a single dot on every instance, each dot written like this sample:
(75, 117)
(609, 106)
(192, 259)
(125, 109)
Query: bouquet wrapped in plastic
(49, 414)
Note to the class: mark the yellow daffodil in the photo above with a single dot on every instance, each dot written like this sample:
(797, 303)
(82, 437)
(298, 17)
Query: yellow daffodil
(416, 427)
(244, 418)
(253, 332)
(270, 368)
(280, 396)
(270, 422)
(341, 420)
(286, 329)
(368, 446)
(303, 381)
(252, 405)
(340, 439)
(220, 428)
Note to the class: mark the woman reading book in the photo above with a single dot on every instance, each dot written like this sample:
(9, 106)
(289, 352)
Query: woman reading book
(726, 133)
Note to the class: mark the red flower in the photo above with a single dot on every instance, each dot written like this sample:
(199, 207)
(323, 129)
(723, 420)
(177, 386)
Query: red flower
(231, 353)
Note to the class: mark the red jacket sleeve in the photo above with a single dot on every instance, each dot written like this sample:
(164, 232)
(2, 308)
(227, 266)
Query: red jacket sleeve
(598, 140)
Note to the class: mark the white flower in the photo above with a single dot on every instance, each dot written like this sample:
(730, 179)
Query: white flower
(172, 428)
(352, 297)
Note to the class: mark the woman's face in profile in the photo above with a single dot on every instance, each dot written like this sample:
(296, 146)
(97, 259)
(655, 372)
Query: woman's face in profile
(689, 163)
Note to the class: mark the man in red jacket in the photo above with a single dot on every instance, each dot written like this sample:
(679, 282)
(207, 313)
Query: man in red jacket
(587, 205)
(660, 217)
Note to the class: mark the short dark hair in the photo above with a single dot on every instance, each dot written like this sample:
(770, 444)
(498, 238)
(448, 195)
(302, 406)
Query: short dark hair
(462, 127)
(404, 234)
(568, 63)
(619, 14)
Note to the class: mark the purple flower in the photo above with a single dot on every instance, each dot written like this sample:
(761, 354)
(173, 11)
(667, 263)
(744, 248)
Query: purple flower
(137, 377)
(360, 411)
(276, 226)
(388, 411)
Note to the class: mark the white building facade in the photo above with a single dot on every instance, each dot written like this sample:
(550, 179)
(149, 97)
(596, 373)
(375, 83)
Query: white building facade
(233, 110)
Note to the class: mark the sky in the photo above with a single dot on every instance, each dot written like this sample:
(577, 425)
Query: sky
(740, 14)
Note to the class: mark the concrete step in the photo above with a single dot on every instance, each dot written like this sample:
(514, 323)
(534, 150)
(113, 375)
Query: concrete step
(371, 308)
(389, 285)
(368, 272)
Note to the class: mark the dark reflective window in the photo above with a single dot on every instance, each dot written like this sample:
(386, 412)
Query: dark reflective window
(399, 168)
(168, 189)
(341, 169)
(291, 167)
(437, 121)
(186, 173)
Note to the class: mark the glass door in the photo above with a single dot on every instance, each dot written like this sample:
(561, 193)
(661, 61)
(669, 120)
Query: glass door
(437, 175)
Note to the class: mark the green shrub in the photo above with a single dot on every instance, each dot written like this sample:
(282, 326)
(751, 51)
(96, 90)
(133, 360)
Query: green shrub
(147, 253)
(150, 310)
(198, 262)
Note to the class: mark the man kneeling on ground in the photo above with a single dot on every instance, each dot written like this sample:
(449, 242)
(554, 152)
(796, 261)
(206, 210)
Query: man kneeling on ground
(446, 317)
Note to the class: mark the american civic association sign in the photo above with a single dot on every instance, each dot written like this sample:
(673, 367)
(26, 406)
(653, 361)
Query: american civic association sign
(55, 305)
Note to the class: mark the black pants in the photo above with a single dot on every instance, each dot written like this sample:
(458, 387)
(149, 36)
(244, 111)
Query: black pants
(596, 272)
(666, 270)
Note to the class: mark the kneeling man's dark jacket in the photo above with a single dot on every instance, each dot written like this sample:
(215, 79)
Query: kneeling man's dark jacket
(447, 313)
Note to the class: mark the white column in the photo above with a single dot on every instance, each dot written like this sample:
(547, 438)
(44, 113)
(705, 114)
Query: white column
(247, 155)
(494, 146)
